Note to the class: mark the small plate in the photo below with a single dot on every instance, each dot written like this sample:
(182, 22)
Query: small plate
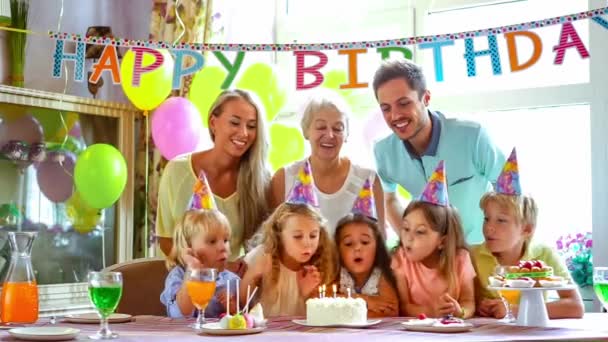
(526, 289)
(215, 329)
(93, 318)
(45, 333)
(438, 329)
(370, 322)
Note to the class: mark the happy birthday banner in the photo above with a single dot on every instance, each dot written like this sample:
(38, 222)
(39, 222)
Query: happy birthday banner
(568, 39)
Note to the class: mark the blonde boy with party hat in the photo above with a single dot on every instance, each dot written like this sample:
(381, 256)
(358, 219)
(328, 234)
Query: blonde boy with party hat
(508, 227)
(201, 240)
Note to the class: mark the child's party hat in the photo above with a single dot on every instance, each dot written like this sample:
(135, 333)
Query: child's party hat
(436, 189)
(364, 203)
(202, 197)
(508, 181)
(303, 191)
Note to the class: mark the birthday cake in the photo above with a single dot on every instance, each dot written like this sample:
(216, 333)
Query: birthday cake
(336, 311)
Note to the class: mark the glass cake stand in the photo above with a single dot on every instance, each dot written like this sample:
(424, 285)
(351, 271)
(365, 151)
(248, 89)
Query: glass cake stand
(532, 309)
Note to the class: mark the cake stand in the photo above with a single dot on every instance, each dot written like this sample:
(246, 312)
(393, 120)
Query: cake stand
(532, 309)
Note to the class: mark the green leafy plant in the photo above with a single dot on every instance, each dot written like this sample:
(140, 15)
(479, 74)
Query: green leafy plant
(18, 40)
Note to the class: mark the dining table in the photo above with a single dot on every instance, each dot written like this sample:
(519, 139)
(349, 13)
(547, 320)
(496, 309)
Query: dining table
(592, 327)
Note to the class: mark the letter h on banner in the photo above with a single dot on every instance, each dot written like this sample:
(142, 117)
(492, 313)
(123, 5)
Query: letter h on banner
(59, 56)
(470, 55)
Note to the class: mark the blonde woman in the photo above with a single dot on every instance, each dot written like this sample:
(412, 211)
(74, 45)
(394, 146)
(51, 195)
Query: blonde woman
(236, 169)
(337, 180)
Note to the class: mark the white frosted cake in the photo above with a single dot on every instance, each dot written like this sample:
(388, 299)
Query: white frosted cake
(333, 311)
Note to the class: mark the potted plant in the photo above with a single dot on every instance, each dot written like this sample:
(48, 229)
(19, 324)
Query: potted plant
(576, 251)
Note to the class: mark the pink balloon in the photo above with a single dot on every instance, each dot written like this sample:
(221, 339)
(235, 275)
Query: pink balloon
(55, 176)
(25, 129)
(176, 127)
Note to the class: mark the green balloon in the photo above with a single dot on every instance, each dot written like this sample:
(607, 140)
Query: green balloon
(261, 79)
(205, 88)
(286, 145)
(358, 99)
(403, 193)
(100, 175)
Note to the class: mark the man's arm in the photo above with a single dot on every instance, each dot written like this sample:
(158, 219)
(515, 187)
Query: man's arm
(394, 210)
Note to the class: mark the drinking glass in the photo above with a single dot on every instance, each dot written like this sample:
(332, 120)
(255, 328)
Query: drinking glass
(105, 290)
(600, 284)
(508, 297)
(200, 284)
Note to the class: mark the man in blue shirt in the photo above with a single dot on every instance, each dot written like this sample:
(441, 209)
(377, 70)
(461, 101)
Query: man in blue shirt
(421, 138)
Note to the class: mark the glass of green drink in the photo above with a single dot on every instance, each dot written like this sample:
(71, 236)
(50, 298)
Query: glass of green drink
(600, 284)
(105, 290)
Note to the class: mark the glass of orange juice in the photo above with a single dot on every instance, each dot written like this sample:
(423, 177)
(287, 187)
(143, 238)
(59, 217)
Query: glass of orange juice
(508, 297)
(200, 284)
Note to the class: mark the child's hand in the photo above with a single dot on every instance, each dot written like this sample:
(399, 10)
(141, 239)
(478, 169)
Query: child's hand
(397, 261)
(448, 306)
(221, 297)
(381, 307)
(190, 259)
(492, 308)
(309, 279)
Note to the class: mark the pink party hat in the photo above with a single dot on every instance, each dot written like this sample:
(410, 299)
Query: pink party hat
(202, 197)
(508, 181)
(303, 191)
(436, 189)
(364, 203)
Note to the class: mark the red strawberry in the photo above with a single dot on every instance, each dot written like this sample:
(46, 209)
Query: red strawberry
(527, 265)
(538, 264)
(421, 316)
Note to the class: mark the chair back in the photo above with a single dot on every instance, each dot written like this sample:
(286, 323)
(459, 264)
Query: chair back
(143, 281)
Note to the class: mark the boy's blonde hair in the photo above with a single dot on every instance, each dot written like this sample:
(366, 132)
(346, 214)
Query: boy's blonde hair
(522, 207)
(324, 258)
(192, 223)
(446, 222)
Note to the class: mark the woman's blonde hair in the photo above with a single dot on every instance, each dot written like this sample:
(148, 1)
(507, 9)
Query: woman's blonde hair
(522, 207)
(192, 223)
(324, 258)
(446, 222)
(254, 175)
(324, 100)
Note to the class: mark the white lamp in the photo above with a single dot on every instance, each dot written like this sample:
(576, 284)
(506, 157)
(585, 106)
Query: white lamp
(5, 12)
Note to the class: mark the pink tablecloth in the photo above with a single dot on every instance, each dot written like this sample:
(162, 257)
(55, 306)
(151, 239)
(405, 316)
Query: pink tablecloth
(151, 328)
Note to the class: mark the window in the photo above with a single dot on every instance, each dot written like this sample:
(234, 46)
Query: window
(573, 70)
(555, 169)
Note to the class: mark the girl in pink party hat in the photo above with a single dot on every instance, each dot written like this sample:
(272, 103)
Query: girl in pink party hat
(295, 255)
(509, 224)
(365, 262)
(433, 269)
(201, 239)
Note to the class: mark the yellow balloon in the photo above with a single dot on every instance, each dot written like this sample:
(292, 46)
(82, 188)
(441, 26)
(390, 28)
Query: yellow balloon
(205, 88)
(84, 219)
(154, 87)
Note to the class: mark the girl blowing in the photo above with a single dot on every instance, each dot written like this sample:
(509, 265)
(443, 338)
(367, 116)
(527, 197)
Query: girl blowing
(295, 256)
(364, 259)
(509, 224)
(201, 240)
(432, 266)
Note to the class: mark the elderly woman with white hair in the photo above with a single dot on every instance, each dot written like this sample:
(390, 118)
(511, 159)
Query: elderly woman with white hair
(337, 181)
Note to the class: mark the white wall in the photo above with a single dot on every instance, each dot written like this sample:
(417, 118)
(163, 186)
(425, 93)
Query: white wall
(127, 18)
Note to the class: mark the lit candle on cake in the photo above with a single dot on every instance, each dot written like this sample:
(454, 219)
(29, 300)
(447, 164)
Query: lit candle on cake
(323, 290)
(333, 287)
(348, 291)
(320, 291)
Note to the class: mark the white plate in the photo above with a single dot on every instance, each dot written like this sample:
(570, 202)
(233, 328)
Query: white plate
(44, 333)
(215, 329)
(560, 288)
(448, 328)
(93, 318)
(369, 323)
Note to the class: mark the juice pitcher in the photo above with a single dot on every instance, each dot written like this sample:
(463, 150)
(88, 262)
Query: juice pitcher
(19, 300)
